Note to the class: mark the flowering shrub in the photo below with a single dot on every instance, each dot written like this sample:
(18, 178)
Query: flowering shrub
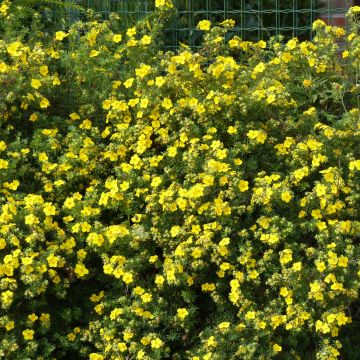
(197, 205)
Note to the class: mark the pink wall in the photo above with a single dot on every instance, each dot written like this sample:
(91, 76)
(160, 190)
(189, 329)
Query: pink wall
(338, 18)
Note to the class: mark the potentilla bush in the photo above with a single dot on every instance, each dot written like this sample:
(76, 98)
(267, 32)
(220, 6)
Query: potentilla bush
(190, 205)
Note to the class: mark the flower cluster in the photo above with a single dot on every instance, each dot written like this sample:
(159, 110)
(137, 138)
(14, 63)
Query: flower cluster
(194, 205)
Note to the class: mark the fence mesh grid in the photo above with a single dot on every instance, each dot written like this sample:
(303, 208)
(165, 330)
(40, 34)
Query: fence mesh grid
(255, 19)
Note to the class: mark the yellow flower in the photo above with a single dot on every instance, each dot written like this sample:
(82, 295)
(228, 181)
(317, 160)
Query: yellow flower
(157, 343)
(172, 151)
(208, 287)
(243, 185)
(175, 230)
(33, 117)
(253, 274)
(124, 185)
(81, 254)
(127, 278)
(44, 70)
(129, 82)
(35, 83)
(3, 164)
(131, 32)
(159, 3)
(4, 8)
(69, 203)
(286, 196)
(318, 23)
(122, 346)
(95, 356)
(44, 317)
(7, 297)
(28, 334)
(211, 342)
(13, 185)
(316, 214)
(145, 40)
(60, 35)
(307, 83)
(196, 253)
(224, 325)
(354, 165)
(142, 71)
(182, 313)
(91, 36)
(117, 38)
(284, 291)
(33, 317)
(257, 135)
(94, 53)
(156, 181)
(354, 10)
(147, 297)
(53, 260)
(320, 266)
(81, 270)
(250, 315)
(56, 81)
(259, 68)
(43, 157)
(343, 261)
(342, 319)
(44, 103)
(71, 336)
(204, 25)
(31, 219)
(140, 354)
(3, 67)
(159, 81)
(159, 280)
(167, 103)
(277, 348)
(9, 325)
(285, 256)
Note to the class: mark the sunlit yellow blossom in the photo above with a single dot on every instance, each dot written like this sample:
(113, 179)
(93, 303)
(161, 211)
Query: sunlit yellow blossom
(286, 196)
(204, 25)
(44, 103)
(94, 53)
(10, 325)
(182, 313)
(28, 334)
(60, 35)
(81, 270)
(145, 40)
(131, 32)
(157, 343)
(243, 185)
(95, 356)
(35, 83)
(117, 38)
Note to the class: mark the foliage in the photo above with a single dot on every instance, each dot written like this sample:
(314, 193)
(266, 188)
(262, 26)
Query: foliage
(197, 205)
(254, 19)
(20, 17)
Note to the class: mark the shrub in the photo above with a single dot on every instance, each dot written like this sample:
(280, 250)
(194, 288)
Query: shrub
(189, 205)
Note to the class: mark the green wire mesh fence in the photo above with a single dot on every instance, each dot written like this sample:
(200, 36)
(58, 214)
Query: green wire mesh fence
(255, 19)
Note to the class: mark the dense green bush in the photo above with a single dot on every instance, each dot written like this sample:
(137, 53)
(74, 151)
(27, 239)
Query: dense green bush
(197, 205)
